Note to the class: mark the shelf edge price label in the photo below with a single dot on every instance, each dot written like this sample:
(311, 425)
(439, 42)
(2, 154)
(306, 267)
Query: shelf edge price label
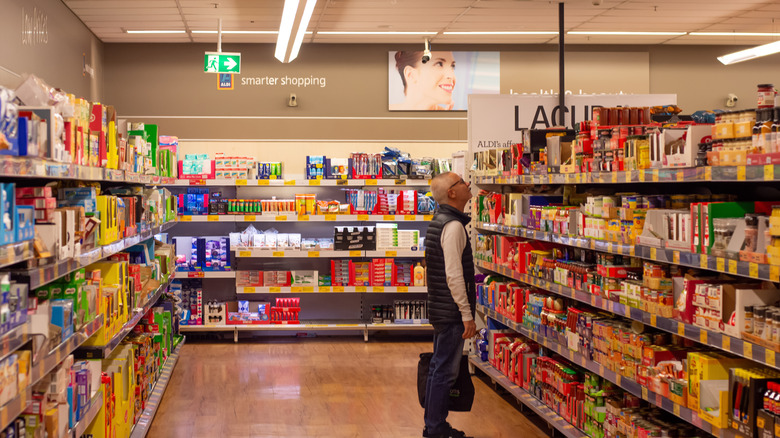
(644, 393)
(185, 218)
(654, 253)
(403, 289)
(753, 269)
(370, 182)
(391, 253)
(770, 357)
(263, 182)
(774, 273)
(726, 343)
(308, 289)
(410, 217)
(676, 257)
(769, 172)
(703, 261)
(362, 217)
(379, 288)
(303, 218)
(296, 289)
(249, 290)
(360, 289)
(195, 274)
(388, 217)
(213, 218)
(747, 350)
(655, 175)
(428, 217)
(314, 182)
(289, 182)
(676, 409)
(732, 266)
(250, 218)
(593, 300)
(241, 182)
(703, 336)
(278, 254)
(281, 218)
(740, 173)
(720, 264)
(356, 253)
(641, 175)
(708, 173)
(323, 289)
(680, 176)
(680, 328)
(330, 217)
(338, 288)
(314, 254)
(245, 253)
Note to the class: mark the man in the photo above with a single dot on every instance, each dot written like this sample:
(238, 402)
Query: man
(451, 297)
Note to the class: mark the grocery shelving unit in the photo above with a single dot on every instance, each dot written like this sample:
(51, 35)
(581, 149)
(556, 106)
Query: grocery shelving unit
(26, 167)
(95, 404)
(333, 311)
(308, 327)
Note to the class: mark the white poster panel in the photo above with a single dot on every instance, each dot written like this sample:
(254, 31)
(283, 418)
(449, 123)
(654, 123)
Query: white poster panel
(497, 121)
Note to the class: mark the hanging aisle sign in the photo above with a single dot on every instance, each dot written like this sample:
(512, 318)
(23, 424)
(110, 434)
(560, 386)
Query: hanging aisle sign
(498, 121)
(222, 62)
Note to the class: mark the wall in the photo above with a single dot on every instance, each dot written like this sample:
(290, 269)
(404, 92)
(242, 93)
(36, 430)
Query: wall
(45, 38)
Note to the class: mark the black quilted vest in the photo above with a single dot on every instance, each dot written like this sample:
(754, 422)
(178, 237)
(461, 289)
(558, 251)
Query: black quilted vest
(442, 309)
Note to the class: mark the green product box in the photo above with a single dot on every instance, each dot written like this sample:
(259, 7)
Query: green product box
(717, 210)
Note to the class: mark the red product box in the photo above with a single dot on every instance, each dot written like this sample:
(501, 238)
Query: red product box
(33, 192)
(616, 271)
(38, 203)
(135, 272)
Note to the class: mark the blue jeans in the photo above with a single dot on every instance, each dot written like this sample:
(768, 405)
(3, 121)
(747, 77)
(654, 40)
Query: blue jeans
(445, 364)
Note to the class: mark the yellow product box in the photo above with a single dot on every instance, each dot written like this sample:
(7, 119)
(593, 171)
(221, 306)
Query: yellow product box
(121, 365)
(704, 366)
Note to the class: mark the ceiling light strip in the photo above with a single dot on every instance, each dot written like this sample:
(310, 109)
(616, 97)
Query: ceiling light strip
(373, 33)
(752, 53)
(156, 31)
(736, 34)
(293, 20)
(541, 32)
(577, 32)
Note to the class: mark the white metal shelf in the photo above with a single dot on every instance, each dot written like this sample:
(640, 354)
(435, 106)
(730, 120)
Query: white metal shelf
(329, 289)
(225, 182)
(259, 217)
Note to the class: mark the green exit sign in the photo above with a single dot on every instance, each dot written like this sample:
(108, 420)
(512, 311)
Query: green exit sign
(222, 62)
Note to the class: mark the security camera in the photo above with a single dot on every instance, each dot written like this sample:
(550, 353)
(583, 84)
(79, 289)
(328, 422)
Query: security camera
(731, 101)
(596, 2)
(426, 52)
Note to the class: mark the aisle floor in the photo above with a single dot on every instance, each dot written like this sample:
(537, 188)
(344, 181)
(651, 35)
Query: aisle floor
(320, 387)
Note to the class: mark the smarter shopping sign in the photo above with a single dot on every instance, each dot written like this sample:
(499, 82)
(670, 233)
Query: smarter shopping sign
(222, 62)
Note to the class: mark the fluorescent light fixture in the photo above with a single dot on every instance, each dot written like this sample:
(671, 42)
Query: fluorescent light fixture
(746, 55)
(373, 33)
(530, 32)
(586, 32)
(155, 31)
(294, 19)
(738, 34)
(240, 32)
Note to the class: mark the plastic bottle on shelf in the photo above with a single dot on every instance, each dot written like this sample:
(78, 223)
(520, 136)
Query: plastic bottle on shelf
(419, 275)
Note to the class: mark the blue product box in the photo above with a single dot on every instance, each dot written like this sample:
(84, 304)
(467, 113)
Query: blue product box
(62, 316)
(8, 213)
(25, 223)
(79, 197)
(17, 303)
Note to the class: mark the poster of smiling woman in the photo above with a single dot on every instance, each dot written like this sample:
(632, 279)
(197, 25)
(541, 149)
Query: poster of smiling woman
(443, 83)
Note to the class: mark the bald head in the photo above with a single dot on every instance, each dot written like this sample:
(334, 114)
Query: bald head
(441, 184)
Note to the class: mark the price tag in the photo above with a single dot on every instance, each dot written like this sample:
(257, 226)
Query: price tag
(676, 257)
(769, 172)
(249, 290)
(186, 218)
(400, 182)
(323, 289)
(732, 266)
(770, 357)
(428, 217)
(619, 378)
(370, 182)
(296, 289)
(777, 429)
(644, 393)
(676, 409)
(245, 253)
(680, 175)
(655, 175)
(195, 275)
(379, 288)
(388, 217)
(314, 254)
(654, 253)
(278, 253)
(582, 361)
(610, 248)
(740, 173)
(330, 217)
(213, 218)
(303, 218)
(708, 173)
(342, 182)
(760, 422)
(240, 182)
(272, 177)
(250, 218)
(774, 273)
(338, 288)
(653, 320)
(403, 289)
(362, 217)
(720, 264)
(263, 182)
(680, 328)
(281, 218)
(703, 336)
(391, 253)
(726, 344)
(747, 350)
(593, 300)
(614, 177)
(703, 261)
(753, 270)
(410, 217)
(197, 182)
(360, 289)
(289, 182)
(601, 370)
(314, 182)
(641, 175)
(356, 253)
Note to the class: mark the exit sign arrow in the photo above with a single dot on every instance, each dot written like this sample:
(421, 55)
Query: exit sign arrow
(222, 62)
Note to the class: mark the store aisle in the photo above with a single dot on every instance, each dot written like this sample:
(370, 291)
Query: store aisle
(324, 387)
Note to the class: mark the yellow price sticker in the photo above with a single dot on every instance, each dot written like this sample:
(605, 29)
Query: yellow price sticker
(641, 175)
(278, 254)
(601, 370)
(185, 218)
(747, 350)
(388, 217)
(655, 175)
(250, 218)
(281, 218)
(676, 257)
(245, 253)
(303, 218)
(410, 217)
(391, 253)
(680, 176)
(740, 173)
(249, 290)
(753, 270)
(680, 328)
(356, 253)
(370, 182)
(400, 182)
(676, 409)
(314, 254)
(703, 261)
(338, 288)
(582, 361)
(379, 288)
(593, 300)
(296, 289)
(289, 182)
(654, 253)
(732, 266)
(314, 182)
(720, 264)
(403, 289)
(726, 343)
(644, 393)
(263, 182)
(614, 177)
(272, 177)
(618, 379)
(770, 358)
(213, 218)
(308, 289)
(323, 289)
(769, 172)
(708, 173)
(241, 182)
(428, 217)
(330, 217)
(703, 336)
(362, 217)
(774, 273)
(610, 248)
(360, 289)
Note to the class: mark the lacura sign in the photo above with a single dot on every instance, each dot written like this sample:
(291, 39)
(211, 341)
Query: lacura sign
(35, 27)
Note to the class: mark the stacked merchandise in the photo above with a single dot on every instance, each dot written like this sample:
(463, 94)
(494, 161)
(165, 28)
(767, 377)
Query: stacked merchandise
(391, 164)
(210, 253)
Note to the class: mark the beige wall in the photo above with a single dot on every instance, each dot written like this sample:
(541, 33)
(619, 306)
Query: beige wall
(56, 54)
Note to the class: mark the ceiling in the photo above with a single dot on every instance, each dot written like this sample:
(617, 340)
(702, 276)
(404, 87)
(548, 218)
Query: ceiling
(109, 20)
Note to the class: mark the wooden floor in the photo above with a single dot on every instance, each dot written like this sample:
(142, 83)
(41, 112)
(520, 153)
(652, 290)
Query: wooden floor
(322, 387)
